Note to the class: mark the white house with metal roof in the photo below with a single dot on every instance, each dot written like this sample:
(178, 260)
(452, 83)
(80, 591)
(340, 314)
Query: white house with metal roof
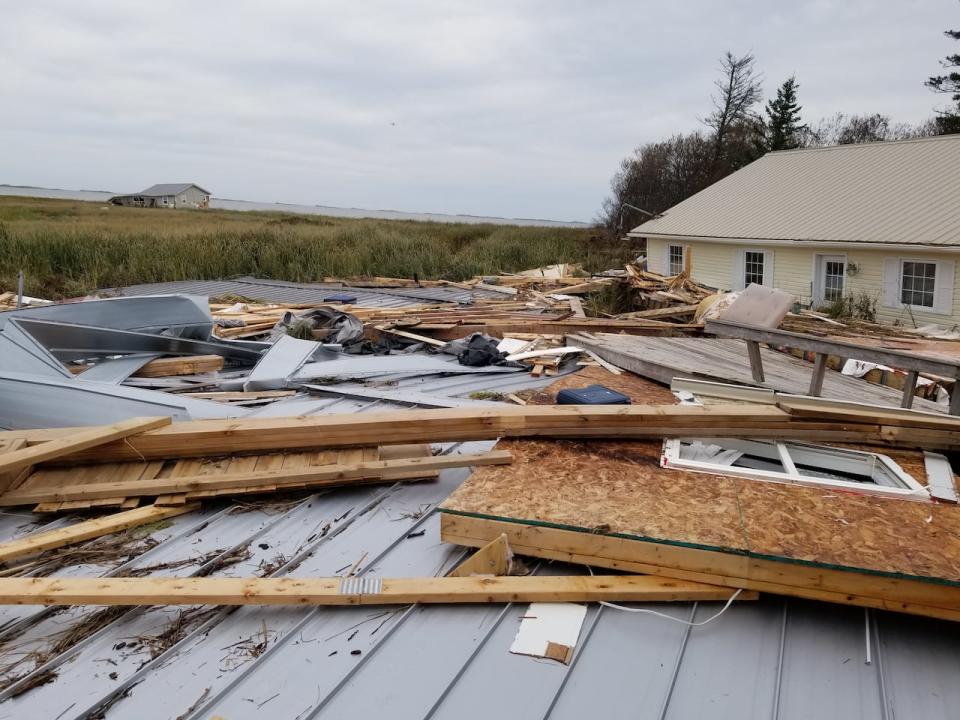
(167, 195)
(877, 220)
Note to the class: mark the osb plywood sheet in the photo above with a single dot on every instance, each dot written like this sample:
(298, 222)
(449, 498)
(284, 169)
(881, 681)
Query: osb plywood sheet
(620, 488)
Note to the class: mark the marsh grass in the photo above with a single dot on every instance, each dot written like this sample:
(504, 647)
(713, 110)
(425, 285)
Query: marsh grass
(68, 248)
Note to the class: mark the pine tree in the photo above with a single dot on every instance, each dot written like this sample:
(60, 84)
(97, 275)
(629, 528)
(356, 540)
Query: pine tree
(782, 127)
(948, 120)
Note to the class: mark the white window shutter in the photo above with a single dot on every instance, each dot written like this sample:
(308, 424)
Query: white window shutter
(891, 282)
(665, 257)
(739, 270)
(943, 288)
(768, 268)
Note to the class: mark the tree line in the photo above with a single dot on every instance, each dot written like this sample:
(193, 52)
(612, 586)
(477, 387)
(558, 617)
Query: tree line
(658, 175)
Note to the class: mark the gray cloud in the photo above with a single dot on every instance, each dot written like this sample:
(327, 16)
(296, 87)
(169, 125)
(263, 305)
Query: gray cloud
(493, 108)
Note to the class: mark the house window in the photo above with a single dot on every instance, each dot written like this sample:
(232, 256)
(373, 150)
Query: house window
(676, 260)
(791, 462)
(917, 281)
(752, 267)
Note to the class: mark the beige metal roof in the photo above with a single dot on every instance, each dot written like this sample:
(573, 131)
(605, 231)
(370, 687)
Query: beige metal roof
(905, 192)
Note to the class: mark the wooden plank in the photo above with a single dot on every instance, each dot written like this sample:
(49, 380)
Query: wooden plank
(216, 437)
(494, 558)
(77, 441)
(756, 361)
(353, 590)
(909, 388)
(816, 379)
(327, 475)
(410, 336)
(187, 365)
(731, 570)
(87, 530)
(661, 312)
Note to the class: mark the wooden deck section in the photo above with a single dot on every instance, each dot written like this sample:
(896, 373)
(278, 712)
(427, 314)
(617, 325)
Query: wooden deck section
(726, 360)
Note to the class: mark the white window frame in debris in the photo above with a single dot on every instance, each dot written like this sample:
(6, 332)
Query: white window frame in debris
(802, 463)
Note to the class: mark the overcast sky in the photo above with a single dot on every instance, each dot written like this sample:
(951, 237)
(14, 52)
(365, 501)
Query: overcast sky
(517, 109)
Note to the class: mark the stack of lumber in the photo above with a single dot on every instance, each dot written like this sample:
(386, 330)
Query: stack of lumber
(119, 464)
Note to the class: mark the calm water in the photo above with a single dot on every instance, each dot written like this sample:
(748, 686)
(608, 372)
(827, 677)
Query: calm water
(97, 196)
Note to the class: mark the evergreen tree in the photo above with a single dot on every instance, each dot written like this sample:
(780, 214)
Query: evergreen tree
(782, 127)
(948, 120)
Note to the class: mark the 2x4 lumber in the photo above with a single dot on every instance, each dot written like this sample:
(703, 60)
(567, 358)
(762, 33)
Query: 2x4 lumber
(321, 475)
(756, 361)
(87, 530)
(734, 570)
(909, 388)
(410, 336)
(494, 558)
(188, 365)
(816, 379)
(214, 437)
(822, 409)
(77, 441)
(661, 312)
(199, 438)
(353, 591)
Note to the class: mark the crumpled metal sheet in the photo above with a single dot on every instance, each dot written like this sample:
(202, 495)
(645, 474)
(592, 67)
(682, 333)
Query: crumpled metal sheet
(186, 316)
(32, 401)
(70, 341)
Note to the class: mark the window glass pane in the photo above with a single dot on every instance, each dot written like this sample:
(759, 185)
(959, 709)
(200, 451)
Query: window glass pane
(753, 267)
(676, 260)
(918, 283)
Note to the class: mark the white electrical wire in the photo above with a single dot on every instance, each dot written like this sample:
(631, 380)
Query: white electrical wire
(624, 608)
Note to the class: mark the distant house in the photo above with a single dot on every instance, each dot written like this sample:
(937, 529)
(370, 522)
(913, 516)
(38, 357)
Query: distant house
(168, 195)
(878, 220)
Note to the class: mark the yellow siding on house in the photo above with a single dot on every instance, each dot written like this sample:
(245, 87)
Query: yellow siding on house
(714, 264)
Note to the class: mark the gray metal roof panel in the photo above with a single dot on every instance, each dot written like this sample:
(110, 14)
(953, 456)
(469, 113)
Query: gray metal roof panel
(278, 291)
(162, 189)
(774, 658)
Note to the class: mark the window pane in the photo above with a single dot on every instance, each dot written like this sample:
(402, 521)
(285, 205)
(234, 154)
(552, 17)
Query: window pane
(918, 283)
(753, 267)
(676, 260)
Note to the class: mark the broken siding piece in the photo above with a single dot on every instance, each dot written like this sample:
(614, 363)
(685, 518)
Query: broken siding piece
(550, 630)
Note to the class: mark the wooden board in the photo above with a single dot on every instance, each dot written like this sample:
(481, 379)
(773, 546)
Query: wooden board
(360, 470)
(87, 530)
(200, 438)
(352, 591)
(76, 441)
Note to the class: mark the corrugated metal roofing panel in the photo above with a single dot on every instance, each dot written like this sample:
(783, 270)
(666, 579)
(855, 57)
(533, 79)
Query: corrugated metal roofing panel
(901, 192)
(277, 291)
(773, 658)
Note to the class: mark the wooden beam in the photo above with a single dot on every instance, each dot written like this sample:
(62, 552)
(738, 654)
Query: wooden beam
(816, 379)
(321, 475)
(87, 530)
(733, 570)
(494, 558)
(410, 336)
(799, 418)
(353, 590)
(661, 312)
(756, 361)
(77, 441)
(187, 365)
(909, 388)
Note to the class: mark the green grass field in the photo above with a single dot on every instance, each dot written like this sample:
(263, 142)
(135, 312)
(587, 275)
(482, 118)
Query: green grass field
(68, 248)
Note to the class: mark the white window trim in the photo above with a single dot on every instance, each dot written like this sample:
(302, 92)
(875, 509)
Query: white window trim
(670, 458)
(943, 285)
(740, 266)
